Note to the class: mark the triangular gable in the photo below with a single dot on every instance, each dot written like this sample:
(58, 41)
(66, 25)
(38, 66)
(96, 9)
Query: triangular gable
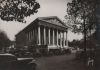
(53, 20)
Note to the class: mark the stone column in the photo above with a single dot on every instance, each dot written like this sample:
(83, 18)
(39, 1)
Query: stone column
(63, 39)
(60, 39)
(49, 35)
(53, 37)
(39, 38)
(66, 40)
(44, 36)
(57, 37)
(29, 36)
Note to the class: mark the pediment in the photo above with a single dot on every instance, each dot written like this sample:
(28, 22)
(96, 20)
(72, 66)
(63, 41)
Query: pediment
(54, 20)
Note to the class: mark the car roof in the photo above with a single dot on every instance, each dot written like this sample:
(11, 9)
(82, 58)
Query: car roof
(6, 54)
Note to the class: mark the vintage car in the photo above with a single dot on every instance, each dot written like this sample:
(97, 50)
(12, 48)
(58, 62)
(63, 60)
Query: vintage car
(11, 62)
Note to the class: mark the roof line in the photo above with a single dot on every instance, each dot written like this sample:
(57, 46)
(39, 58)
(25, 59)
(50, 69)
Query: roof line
(62, 22)
(50, 23)
(39, 18)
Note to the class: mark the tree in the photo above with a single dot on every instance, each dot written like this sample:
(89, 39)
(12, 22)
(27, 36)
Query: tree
(17, 10)
(81, 15)
(4, 40)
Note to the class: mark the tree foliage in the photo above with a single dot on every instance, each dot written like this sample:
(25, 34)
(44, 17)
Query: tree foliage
(81, 15)
(17, 9)
(4, 40)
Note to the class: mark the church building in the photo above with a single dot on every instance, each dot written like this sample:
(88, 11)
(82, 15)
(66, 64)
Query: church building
(48, 32)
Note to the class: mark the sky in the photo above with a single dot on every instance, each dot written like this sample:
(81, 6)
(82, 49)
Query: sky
(47, 8)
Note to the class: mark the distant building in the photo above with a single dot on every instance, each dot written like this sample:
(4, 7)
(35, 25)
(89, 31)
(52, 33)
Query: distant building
(43, 31)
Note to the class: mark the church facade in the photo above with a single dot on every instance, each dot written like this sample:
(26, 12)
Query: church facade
(50, 32)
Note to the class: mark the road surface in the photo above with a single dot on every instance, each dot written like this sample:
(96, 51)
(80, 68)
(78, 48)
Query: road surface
(61, 62)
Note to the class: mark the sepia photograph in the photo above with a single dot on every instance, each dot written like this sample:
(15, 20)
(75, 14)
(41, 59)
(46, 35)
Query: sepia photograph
(49, 35)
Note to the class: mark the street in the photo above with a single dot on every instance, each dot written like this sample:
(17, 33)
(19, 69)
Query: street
(61, 62)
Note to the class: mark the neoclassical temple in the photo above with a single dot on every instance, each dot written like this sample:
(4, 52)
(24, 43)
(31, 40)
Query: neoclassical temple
(49, 31)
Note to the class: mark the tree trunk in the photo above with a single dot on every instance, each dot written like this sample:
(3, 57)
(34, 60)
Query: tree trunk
(84, 36)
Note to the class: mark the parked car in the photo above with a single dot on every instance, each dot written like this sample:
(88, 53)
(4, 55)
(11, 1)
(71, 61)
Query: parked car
(11, 62)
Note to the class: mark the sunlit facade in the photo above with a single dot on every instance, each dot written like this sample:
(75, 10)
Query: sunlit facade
(49, 31)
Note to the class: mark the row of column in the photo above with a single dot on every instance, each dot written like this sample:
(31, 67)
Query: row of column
(30, 35)
(49, 37)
